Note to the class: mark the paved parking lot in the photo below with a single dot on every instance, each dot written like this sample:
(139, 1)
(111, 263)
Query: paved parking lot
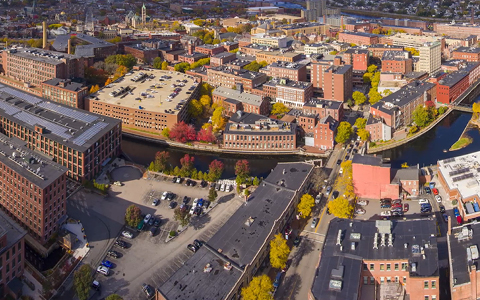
(373, 210)
(147, 259)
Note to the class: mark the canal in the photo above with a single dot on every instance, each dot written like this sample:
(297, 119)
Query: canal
(429, 148)
(143, 152)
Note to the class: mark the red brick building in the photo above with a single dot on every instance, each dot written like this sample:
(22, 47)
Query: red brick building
(358, 58)
(397, 62)
(235, 100)
(227, 77)
(143, 54)
(358, 38)
(324, 133)
(209, 49)
(338, 83)
(469, 54)
(191, 58)
(65, 92)
(377, 50)
(222, 59)
(372, 178)
(289, 92)
(324, 108)
(292, 71)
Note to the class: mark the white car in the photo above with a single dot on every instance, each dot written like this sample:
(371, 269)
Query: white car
(192, 210)
(438, 198)
(127, 234)
(386, 213)
(164, 195)
(147, 218)
(423, 201)
(360, 211)
(362, 202)
(103, 270)
(228, 188)
(222, 187)
(195, 203)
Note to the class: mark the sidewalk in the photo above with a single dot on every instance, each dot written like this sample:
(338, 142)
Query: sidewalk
(26, 291)
(80, 247)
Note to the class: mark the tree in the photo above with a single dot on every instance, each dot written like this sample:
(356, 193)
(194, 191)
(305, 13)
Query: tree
(255, 66)
(260, 288)
(363, 134)
(374, 96)
(279, 252)
(109, 80)
(305, 206)
(206, 101)
(180, 67)
(182, 132)
(334, 52)
(195, 108)
(157, 63)
(360, 123)
(199, 22)
(367, 77)
(359, 98)
(94, 89)
(82, 279)
(256, 181)
(387, 92)
(164, 65)
(341, 208)
(187, 162)
(215, 170)
(166, 132)
(206, 89)
(344, 131)
(413, 51)
(422, 116)
(279, 109)
(218, 120)
(212, 195)
(181, 216)
(242, 169)
(133, 215)
(475, 109)
(161, 160)
(443, 109)
(372, 68)
(114, 297)
(206, 135)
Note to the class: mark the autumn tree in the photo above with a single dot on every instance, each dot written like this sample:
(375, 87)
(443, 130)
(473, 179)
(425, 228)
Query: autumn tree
(360, 123)
(206, 89)
(206, 135)
(218, 120)
(215, 170)
(363, 134)
(114, 297)
(182, 132)
(161, 161)
(423, 115)
(374, 96)
(212, 194)
(157, 63)
(279, 251)
(372, 68)
(242, 171)
(305, 206)
(475, 109)
(94, 89)
(206, 101)
(195, 108)
(164, 65)
(187, 163)
(166, 132)
(259, 288)
(344, 131)
(359, 98)
(183, 217)
(82, 280)
(133, 215)
(279, 109)
(180, 67)
(341, 208)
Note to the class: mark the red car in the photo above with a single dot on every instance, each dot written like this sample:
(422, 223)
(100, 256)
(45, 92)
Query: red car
(459, 220)
(435, 191)
(405, 207)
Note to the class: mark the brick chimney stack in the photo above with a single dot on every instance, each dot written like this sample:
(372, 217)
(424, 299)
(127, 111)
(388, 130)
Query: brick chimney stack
(44, 24)
(69, 48)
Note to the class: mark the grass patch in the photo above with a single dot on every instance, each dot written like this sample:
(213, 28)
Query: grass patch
(141, 130)
(461, 143)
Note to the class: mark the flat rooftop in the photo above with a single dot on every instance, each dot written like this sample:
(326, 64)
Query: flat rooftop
(462, 173)
(75, 128)
(61, 41)
(237, 95)
(34, 166)
(408, 93)
(45, 56)
(462, 240)
(153, 94)
(12, 229)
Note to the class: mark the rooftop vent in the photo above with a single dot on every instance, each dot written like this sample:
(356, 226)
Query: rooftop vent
(249, 221)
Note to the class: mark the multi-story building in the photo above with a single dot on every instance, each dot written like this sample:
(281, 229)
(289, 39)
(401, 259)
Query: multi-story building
(314, 10)
(143, 54)
(304, 28)
(275, 56)
(78, 140)
(281, 69)
(209, 49)
(65, 91)
(414, 41)
(289, 92)
(222, 58)
(398, 259)
(397, 62)
(37, 180)
(269, 210)
(454, 84)
(458, 30)
(33, 66)
(228, 77)
(358, 38)
(377, 50)
(358, 58)
(470, 54)
(379, 131)
(337, 83)
(406, 23)
(324, 108)
(235, 100)
(324, 133)
(191, 57)
(430, 59)
(318, 68)
(87, 47)
(12, 257)
(252, 132)
(317, 48)
(267, 40)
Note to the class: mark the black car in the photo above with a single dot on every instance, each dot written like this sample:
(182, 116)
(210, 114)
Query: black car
(296, 242)
(170, 196)
(335, 194)
(192, 248)
(442, 209)
(113, 254)
(121, 244)
(157, 222)
(172, 204)
(151, 221)
(203, 183)
(206, 204)
(339, 162)
(174, 180)
(198, 243)
(187, 182)
(197, 211)
(148, 290)
(193, 183)
(185, 199)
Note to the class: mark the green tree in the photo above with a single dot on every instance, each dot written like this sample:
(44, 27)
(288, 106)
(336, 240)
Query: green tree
(341, 208)
(161, 161)
(206, 89)
(359, 98)
(127, 60)
(256, 181)
(374, 96)
(164, 65)
(166, 132)
(157, 63)
(260, 288)
(363, 134)
(114, 297)
(183, 217)
(181, 67)
(195, 108)
(212, 195)
(279, 251)
(279, 109)
(305, 206)
(82, 280)
(344, 131)
(421, 116)
(360, 123)
(443, 109)
(133, 215)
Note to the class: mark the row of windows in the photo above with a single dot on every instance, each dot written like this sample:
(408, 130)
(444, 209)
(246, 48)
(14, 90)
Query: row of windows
(259, 145)
(396, 266)
(231, 137)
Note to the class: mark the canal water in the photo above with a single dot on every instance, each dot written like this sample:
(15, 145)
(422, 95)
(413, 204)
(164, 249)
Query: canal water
(143, 152)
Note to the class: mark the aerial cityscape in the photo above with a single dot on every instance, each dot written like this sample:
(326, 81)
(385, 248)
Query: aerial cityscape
(255, 150)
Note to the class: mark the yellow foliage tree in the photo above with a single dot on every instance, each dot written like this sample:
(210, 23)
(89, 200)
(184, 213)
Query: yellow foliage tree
(195, 108)
(341, 208)
(218, 120)
(260, 288)
(94, 88)
(279, 251)
(206, 101)
(109, 80)
(476, 109)
(363, 134)
(305, 206)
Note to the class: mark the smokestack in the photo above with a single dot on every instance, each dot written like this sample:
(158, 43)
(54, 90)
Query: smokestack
(69, 48)
(324, 19)
(473, 16)
(44, 24)
(341, 24)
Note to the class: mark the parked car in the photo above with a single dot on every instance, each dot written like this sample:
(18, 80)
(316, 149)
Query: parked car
(95, 285)
(153, 230)
(296, 242)
(397, 201)
(329, 189)
(148, 290)
(164, 195)
(445, 218)
(385, 205)
(127, 234)
(170, 196)
(459, 220)
(203, 184)
(397, 205)
(103, 270)
(107, 264)
(185, 199)
(152, 221)
(212, 185)
(335, 194)
(339, 162)
(438, 198)
(179, 180)
(157, 222)
(423, 201)
(200, 202)
(192, 248)
(198, 211)
(155, 202)
(206, 204)
(228, 188)
(113, 254)
(172, 204)
(222, 187)
(147, 218)
(192, 210)
(314, 222)
(435, 191)
(386, 213)
(195, 202)
(427, 190)
(405, 207)
(187, 182)
(442, 208)
(218, 186)
(456, 212)
(362, 202)
(360, 211)
(198, 243)
(174, 179)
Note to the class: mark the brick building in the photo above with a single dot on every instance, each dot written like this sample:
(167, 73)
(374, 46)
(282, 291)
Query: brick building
(378, 129)
(252, 132)
(33, 66)
(227, 77)
(372, 178)
(191, 57)
(470, 54)
(361, 259)
(289, 92)
(79, 140)
(458, 30)
(397, 62)
(274, 56)
(235, 100)
(357, 58)
(324, 108)
(143, 54)
(358, 38)
(377, 50)
(222, 59)
(452, 85)
(281, 69)
(65, 91)
(87, 46)
(324, 133)
(337, 83)
(37, 180)
(209, 49)
(304, 28)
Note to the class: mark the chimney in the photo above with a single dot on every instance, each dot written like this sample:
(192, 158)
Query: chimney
(341, 24)
(69, 48)
(191, 48)
(239, 87)
(44, 24)
(324, 19)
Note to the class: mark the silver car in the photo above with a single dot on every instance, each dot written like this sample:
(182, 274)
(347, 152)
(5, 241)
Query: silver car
(314, 222)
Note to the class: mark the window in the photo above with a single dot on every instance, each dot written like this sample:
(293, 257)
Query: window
(372, 280)
(434, 284)
(434, 297)
(396, 267)
(365, 267)
(389, 279)
(425, 284)
(382, 280)
(365, 279)
(427, 298)
(382, 267)
(372, 267)
(404, 279)
(388, 267)
(404, 266)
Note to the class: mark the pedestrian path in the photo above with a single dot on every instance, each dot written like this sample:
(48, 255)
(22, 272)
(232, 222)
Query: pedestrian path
(80, 248)
(30, 281)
